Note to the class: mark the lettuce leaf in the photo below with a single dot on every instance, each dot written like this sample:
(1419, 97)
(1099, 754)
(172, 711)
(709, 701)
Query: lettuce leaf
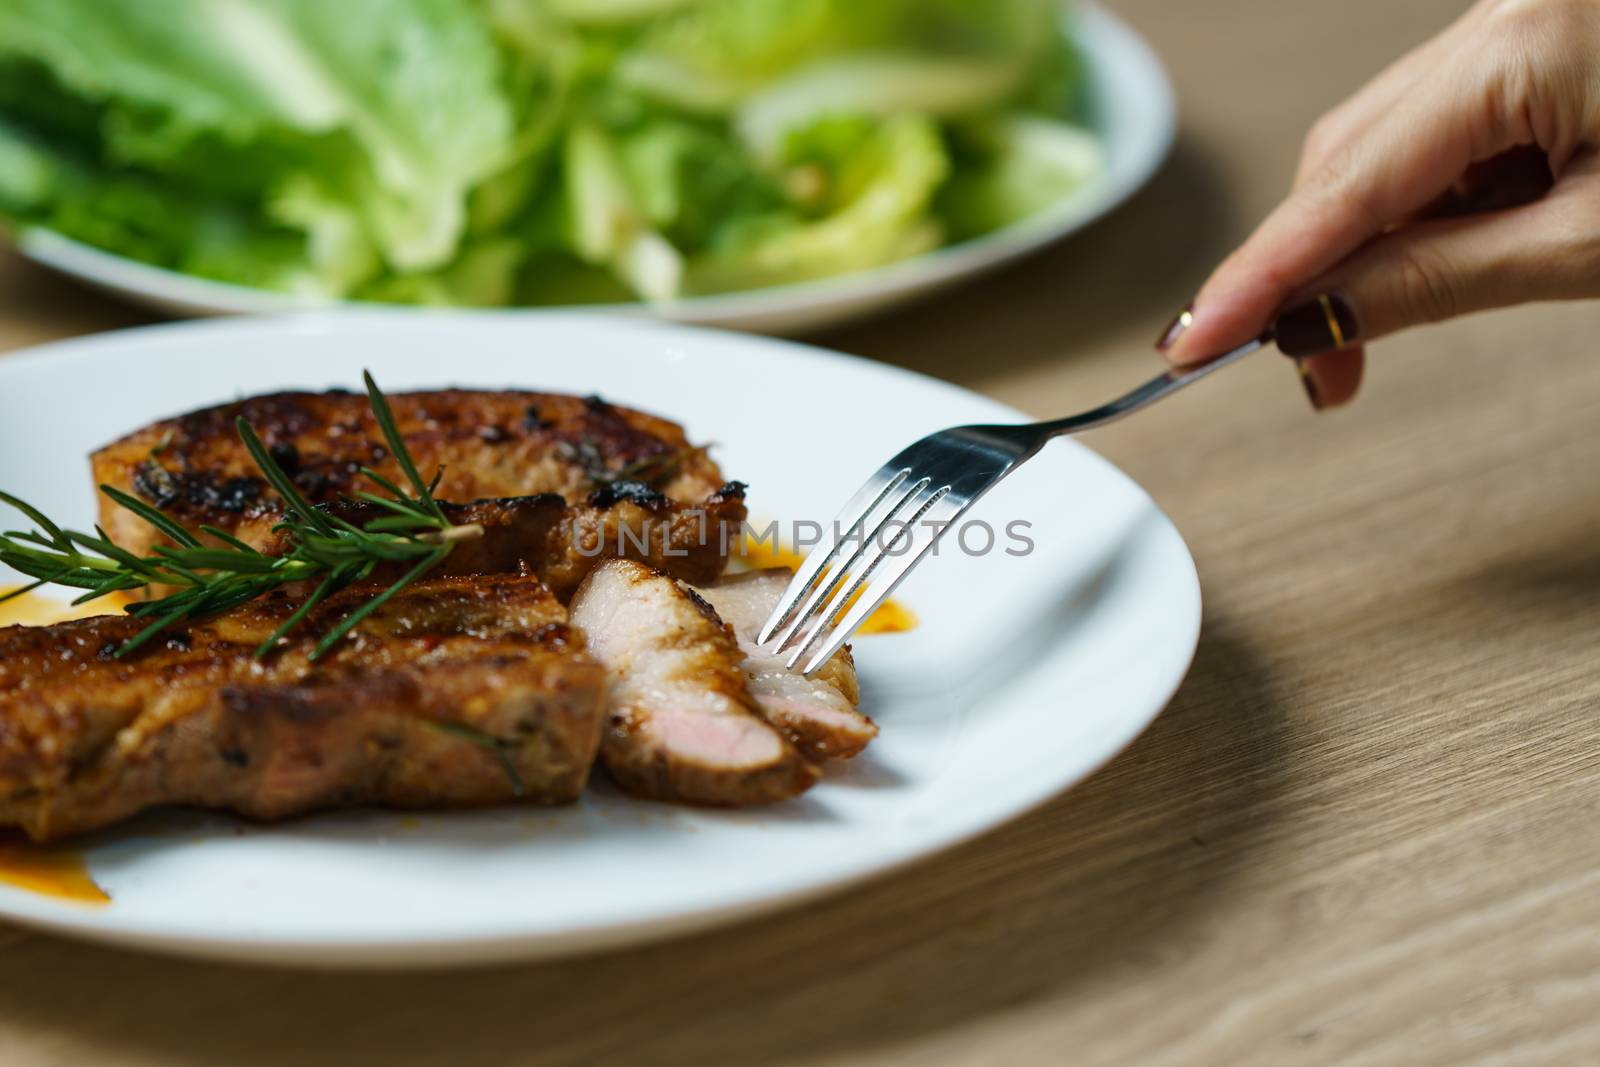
(147, 220)
(694, 182)
(416, 83)
(868, 184)
(608, 223)
(727, 50)
(391, 107)
(876, 84)
(1017, 166)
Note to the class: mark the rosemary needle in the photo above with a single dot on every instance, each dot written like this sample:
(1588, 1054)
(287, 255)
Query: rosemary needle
(211, 571)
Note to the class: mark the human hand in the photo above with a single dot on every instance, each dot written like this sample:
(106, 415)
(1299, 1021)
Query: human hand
(1461, 178)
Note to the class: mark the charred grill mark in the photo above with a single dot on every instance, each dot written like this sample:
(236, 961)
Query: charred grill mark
(182, 491)
(316, 485)
(632, 492)
(276, 416)
(702, 605)
(285, 455)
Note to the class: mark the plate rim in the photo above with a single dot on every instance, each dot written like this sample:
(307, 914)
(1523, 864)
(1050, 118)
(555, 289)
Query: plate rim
(834, 299)
(447, 950)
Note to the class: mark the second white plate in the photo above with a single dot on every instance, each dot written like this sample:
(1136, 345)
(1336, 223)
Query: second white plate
(1133, 113)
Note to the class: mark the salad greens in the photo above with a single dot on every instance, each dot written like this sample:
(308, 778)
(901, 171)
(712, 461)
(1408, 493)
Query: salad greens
(533, 151)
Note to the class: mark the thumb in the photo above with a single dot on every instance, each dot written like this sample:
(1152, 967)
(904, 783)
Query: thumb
(1429, 271)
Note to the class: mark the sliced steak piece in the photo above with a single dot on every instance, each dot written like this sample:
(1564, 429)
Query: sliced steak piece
(459, 692)
(818, 713)
(683, 726)
(488, 444)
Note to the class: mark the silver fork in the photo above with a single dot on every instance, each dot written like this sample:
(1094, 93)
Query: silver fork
(897, 517)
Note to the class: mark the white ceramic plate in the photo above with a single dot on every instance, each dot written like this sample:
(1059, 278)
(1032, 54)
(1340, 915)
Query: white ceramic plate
(1132, 110)
(1025, 675)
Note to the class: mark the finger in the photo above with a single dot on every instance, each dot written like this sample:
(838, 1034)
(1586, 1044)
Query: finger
(1502, 259)
(1414, 155)
(1513, 178)
(1357, 115)
(1332, 133)
(1439, 269)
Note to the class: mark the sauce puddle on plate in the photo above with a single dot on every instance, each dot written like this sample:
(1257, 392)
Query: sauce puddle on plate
(49, 870)
(39, 609)
(892, 617)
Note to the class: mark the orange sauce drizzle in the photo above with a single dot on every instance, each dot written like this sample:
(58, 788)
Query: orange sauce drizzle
(892, 617)
(49, 870)
(39, 609)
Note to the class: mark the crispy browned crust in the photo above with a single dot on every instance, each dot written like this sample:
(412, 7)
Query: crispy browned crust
(460, 692)
(690, 542)
(489, 445)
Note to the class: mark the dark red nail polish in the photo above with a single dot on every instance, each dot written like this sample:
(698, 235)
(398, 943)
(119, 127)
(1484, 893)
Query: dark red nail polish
(1323, 324)
(1309, 384)
(1175, 329)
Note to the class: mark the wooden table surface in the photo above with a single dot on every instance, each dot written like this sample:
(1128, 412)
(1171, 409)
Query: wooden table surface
(1367, 831)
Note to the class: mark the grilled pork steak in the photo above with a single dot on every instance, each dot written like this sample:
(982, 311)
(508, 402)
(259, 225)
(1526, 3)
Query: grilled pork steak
(489, 444)
(818, 714)
(457, 693)
(683, 724)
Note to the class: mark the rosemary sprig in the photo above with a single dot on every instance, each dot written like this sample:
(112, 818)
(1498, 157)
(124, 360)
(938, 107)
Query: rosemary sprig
(210, 578)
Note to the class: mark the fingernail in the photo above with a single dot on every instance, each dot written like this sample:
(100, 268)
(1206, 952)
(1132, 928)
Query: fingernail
(1175, 328)
(1324, 324)
(1309, 384)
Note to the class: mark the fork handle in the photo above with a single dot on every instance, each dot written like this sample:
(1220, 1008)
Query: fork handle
(1151, 391)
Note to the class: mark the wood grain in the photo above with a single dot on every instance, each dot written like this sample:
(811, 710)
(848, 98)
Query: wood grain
(1367, 832)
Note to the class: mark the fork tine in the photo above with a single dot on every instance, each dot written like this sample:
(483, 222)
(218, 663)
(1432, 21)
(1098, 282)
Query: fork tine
(866, 565)
(858, 510)
(862, 565)
(871, 533)
(815, 584)
(884, 587)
